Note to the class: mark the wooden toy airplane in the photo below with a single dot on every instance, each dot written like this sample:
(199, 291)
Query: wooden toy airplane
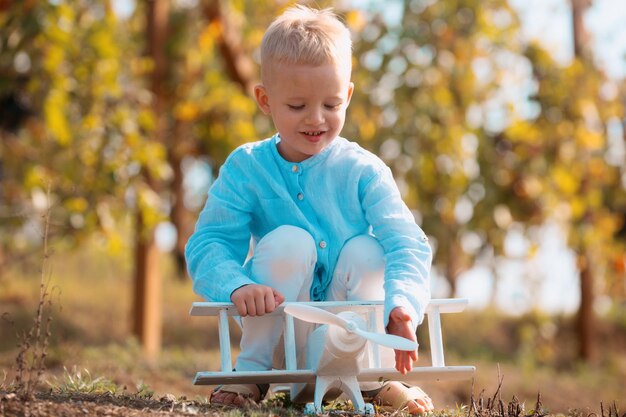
(334, 350)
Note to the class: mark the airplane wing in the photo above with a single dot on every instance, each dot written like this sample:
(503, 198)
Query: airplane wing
(255, 377)
(423, 373)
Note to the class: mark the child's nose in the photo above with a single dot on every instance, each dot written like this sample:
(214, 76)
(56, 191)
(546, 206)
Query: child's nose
(315, 116)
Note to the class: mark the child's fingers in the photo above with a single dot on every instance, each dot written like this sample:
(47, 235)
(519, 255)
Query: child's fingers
(399, 365)
(240, 302)
(264, 300)
(242, 310)
(404, 363)
(269, 301)
(251, 306)
(400, 325)
(278, 297)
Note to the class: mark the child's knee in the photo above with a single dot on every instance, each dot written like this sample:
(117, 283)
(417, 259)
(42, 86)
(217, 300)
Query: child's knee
(285, 256)
(360, 270)
(289, 242)
(364, 251)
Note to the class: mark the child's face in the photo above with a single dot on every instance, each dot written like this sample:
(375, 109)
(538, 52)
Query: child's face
(307, 104)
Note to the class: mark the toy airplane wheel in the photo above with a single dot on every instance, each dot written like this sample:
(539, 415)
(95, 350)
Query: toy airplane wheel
(311, 410)
(369, 410)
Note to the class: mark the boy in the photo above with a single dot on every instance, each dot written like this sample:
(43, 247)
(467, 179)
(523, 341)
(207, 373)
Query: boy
(326, 219)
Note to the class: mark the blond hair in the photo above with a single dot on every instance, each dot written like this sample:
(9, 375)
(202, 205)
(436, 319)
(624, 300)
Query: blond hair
(302, 35)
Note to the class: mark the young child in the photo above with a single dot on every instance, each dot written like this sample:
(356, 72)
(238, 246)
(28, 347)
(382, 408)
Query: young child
(324, 216)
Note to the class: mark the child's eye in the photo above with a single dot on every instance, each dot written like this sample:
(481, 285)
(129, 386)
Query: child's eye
(292, 107)
(332, 106)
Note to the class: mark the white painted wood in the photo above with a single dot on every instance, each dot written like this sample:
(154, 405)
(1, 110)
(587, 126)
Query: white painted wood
(212, 309)
(421, 373)
(373, 347)
(254, 377)
(290, 344)
(348, 384)
(447, 305)
(224, 335)
(436, 339)
(444, 305)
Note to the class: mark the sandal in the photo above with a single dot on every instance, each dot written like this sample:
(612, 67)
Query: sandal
(250, 394)
(396, 396)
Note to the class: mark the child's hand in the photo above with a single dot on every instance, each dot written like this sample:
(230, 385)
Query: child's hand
(255, 299)
(400, 325)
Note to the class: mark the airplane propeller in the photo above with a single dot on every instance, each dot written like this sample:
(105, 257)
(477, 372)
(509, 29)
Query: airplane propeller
(317, 315)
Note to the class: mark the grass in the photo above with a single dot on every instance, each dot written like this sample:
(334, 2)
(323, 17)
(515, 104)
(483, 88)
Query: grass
(91, 349)
(81, 381)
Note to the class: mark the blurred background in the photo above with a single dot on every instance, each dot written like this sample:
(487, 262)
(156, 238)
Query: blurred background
(503, 122)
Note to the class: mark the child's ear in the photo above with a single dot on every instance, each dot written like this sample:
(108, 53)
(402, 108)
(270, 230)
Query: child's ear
(262, 99)
(350, 91)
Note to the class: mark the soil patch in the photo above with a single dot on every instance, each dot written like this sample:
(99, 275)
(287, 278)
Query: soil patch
(77, 404)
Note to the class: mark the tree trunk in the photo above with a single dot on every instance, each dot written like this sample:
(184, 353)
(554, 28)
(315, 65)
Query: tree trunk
(148, 292)
(581, 38)
(454, 266)
(585, 319)
(238, 65)
(180, 216)
(147, 309)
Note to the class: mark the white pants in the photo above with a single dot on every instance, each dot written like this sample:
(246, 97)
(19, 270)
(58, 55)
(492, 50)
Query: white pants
(285, 260)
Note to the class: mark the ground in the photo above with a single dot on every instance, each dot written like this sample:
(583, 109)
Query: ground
(60, 405)
(91, 347)
(81, 404)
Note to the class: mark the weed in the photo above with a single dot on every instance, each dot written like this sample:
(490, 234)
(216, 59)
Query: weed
(495, 407)
(3, 384)
(81, 382)
(144, 391)
(33, 346)
(611, 412)
(278, 400)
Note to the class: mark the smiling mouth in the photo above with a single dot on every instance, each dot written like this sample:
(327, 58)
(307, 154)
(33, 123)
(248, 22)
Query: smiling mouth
(313, 133)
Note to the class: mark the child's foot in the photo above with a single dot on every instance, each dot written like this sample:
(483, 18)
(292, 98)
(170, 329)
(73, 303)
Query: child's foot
(395, 396)
(238, 395)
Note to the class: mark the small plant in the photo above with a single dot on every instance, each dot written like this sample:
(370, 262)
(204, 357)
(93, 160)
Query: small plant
(3, 384)
(278, 400)
(611, 412)
(495, 407)
(144, 391)
(81, 382)
(33, 345)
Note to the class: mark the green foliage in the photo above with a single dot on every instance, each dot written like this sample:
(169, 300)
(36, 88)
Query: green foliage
(90, 130)
(144, 390)
(432, 99)
(559, 160)
(443, 96)
(425, 88)
(86, 138)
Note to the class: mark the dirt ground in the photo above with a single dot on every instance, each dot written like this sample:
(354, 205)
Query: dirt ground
(50, 404)
(58, 405)
(66, 405)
